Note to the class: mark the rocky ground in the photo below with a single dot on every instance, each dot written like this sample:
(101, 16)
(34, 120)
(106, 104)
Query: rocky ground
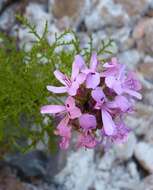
(130, 24)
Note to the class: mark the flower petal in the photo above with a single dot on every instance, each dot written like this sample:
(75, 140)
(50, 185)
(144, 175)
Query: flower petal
(55, 89)
(93, 62)
(88, 121)
(113, 63)
(93, 80)
(86, 141)
(133, 93)
(74, 113)
(70, 103)
(108, 123)
(81, 78)
(98, 95)
(62, 128)
(77, 65)
(110, 81)
(60, 76)
(120, 102)
(64, 144)
(52, 109)
(72, 90)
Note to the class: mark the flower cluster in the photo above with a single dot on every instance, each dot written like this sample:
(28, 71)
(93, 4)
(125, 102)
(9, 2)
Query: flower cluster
(98, 98)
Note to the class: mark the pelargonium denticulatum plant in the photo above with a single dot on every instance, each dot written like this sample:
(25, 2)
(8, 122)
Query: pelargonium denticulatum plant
(98, 99)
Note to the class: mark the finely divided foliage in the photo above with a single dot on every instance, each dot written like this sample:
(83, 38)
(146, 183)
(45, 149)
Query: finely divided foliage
(23, 79)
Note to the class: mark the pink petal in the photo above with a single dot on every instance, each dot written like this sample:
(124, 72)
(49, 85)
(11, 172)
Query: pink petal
(86, 141)
(118, 88)
(81, 78)
(114, 84)
(52, 109)
(93, 80)
(108, 123)
(64, 144)
(110, 81)
(74, 113)
(60, 76)
(70, 103)
(55, 89)
(72, 90)
(86, 71)
(61, 126)
(133, 93)
(120, 102)
(111, 64)
(88, 121)
(77, 65)
(93, 62)
(98, 95)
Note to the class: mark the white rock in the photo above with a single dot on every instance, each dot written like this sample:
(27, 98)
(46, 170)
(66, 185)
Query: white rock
(144, 155)
(37, 16)
(125, 151)
(103, 13)
(79, 171)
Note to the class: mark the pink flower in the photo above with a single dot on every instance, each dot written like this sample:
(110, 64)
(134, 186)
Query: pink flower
(69, 109)
(111, 68)
(120, 135)
(71, 112)
(65, 133)
(107, 120)
(120, 102)
(92, 76)
(72, 84)
(87, 122)
(123, 84)
(86, 140)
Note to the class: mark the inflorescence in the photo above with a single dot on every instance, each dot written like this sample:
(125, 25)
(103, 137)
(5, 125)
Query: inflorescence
(98, 99)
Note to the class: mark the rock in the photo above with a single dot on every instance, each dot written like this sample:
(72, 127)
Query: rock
(125, 151)
(106, 162)
(89, 170)
(146, 184)
(143, 35)
(9, 181)
(68, 11)
(33, 164)
(3, 4)
(133, 171)
(37, 18)
(7, 19)
(130, 57)
(143, 153)
(141, 120)
(102, 15)
(76, 173)
(146, 68)
(122, 37)
(134, 8)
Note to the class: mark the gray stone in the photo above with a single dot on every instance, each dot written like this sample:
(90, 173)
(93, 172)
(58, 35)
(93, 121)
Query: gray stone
(79, 171)
(125, 151)
(68, 13)
(7, 18)
(31, 164)
(103, 13)
(134, 8)
(143, 35)
(143, 153)
(146, 183)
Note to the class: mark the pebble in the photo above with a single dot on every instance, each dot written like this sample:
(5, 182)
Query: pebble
(143, 153)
